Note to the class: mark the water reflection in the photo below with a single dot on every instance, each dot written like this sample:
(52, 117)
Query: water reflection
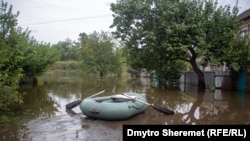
(38, 101)
(190, 105)
(56, 89)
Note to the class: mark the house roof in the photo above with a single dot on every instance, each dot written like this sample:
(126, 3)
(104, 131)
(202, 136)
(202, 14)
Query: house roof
(244, 15)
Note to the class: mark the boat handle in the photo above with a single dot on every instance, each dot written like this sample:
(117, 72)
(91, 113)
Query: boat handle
(94, 111)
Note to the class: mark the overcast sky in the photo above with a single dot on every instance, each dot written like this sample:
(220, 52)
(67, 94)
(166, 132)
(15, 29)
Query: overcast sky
(52, 21)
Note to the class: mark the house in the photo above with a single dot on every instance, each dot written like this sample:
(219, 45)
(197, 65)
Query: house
(243, 77)
(219, 76)
(245, 18)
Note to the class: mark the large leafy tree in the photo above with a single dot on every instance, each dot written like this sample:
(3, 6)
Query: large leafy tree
(20, 56)
(38, 58)
(155, 32)
(99, 54)
(11, 54)
(68, 50)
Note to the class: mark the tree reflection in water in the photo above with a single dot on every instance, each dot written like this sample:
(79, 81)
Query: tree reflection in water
(56, 89)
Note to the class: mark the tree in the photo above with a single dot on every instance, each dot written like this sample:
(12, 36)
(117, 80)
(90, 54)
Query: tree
(68, 50)
(99, 55)
(11, 55)
(38, 58)
(20, 56)
(159, 31)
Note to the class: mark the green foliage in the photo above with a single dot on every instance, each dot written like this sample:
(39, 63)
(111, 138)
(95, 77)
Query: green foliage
(238, 54)
(68, 50)
(20, 56)
(38, 58)
(212, 89)
(99, 55)
(11, 56)
(66, 65)
(156, 33)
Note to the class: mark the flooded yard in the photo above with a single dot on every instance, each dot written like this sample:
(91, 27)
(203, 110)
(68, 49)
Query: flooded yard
(49, 119)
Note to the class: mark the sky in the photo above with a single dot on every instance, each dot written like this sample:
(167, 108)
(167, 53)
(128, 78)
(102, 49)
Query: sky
(52, 21)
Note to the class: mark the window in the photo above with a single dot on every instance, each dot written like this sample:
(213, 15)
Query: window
(244, 33)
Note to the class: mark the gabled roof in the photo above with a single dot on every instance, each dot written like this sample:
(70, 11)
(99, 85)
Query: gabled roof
(244, 15)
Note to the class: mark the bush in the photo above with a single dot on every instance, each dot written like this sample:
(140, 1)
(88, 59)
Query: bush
(66, 65)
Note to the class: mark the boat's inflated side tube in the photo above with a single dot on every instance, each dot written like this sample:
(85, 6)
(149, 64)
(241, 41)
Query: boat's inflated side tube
(108, 108)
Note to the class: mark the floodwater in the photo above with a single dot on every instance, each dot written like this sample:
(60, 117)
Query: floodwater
(49, 120)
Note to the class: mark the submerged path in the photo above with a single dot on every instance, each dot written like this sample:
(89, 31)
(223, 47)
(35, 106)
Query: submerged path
(74, 127)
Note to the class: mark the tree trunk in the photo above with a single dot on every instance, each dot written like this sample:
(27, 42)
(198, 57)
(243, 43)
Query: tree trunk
(34, 81)
(101, 73)
(200, 74)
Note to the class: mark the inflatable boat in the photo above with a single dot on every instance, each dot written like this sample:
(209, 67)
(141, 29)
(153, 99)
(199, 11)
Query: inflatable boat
(114, 107)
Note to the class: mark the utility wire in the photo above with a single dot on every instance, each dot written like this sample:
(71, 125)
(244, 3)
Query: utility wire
(66, 20)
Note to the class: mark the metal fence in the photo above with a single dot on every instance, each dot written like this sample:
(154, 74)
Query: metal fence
(217, 79)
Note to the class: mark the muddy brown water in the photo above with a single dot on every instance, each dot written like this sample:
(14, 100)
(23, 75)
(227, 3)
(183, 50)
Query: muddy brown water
(49, 119)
